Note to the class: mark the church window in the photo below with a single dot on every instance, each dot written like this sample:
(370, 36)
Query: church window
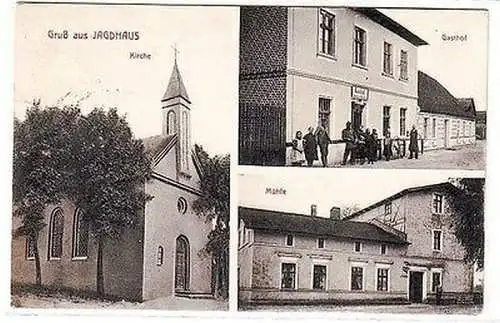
(170, 122)
(159, 256)
(185, 142)
(56, 234)
(182, 205)
(80, 235)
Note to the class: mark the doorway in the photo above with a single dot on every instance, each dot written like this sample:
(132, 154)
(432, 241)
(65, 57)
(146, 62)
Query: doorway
(181, 264)
(416, 287)
(356, 115)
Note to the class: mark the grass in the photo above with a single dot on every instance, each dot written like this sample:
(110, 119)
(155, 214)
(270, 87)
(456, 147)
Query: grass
(55, 291)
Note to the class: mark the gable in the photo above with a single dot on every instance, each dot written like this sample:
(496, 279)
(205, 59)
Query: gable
(166, 165)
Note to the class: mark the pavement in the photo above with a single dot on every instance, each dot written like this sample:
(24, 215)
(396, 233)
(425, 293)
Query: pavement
(470, 157)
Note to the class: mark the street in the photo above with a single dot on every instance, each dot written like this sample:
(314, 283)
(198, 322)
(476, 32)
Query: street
(386, 309)
(471, 157)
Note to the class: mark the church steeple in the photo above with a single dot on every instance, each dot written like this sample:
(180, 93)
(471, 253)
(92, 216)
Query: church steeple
(176, 116)
(175, 86)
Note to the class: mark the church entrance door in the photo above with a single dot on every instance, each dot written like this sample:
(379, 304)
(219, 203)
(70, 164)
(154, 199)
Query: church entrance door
(181, 264)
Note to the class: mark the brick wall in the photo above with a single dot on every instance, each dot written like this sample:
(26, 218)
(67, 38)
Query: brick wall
(262, 88)
(263, 39)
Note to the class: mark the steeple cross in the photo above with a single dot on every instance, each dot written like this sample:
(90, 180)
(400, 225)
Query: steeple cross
(176, 51)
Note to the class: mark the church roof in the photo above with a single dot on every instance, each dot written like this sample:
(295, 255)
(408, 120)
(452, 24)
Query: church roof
(175, 86)
(433, 97)
(154, 145)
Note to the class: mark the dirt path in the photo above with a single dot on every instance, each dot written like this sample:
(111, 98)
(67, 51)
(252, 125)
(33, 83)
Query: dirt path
(173, 303)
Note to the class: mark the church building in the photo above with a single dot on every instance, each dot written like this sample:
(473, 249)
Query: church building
(160, 256)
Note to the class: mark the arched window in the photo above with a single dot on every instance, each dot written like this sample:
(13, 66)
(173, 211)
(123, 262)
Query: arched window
(80, 235)
(185, 143)
(181, 263)
(170, 122)
(56, 234)
(159, 256)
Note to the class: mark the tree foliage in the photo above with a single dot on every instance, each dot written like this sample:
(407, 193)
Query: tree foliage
(213, 204)
(92, 160)
(467, 221)
(349, 209)
(110, 168)
(40, 166)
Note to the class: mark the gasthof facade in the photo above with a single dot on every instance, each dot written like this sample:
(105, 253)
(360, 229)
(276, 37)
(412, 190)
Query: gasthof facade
(303, 67)
(397, 250)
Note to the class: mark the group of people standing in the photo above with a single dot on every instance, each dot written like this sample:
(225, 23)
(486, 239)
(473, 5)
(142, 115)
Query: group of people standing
(361, 145)
(306, 148)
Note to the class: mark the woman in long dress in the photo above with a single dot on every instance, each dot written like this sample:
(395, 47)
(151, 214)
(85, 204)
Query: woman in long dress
(298, 150)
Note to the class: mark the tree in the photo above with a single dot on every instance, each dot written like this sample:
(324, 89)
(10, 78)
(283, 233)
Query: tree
(40, 167)
(110, 168)
(213, 204)
(350, 209)
(467, 220)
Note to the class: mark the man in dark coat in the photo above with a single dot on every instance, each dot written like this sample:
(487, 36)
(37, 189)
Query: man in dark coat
(310, 147)
(323, 140)
(376, 146)
(413, 148)
(348, 138)
(370, 146)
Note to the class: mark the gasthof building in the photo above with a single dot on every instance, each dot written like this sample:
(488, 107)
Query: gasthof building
(303, 67)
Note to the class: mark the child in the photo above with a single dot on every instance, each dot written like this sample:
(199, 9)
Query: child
(298, 150)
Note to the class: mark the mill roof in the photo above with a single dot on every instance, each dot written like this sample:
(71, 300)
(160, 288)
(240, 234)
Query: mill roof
(278, 221)
(446, 186)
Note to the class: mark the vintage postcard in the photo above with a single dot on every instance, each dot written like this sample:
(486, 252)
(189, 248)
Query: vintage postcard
(363, 87)
(143, 136)
(121, 185)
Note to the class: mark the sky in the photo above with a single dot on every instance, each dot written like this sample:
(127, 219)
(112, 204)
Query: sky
(207, 40)
(333, 187)
(461, 66)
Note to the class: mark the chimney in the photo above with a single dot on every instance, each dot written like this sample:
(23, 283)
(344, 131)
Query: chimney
(335, 213)
(314, 210)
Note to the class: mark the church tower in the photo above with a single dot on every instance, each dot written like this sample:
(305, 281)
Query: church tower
(176, 118)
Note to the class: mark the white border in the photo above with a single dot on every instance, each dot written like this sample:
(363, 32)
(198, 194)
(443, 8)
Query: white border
(492, 288)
